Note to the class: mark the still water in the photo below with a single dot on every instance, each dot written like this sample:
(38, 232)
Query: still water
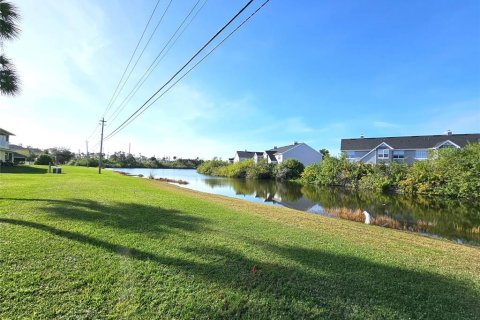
(451, 219)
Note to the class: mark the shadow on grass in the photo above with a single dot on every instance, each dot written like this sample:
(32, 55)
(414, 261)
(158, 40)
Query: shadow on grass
(303, 283)
(22, 169)
(132, 217)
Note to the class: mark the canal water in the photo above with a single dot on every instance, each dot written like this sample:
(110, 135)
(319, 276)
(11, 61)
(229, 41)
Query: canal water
(445, 218)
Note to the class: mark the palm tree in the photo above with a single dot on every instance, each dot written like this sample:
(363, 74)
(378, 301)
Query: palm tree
(9, 16)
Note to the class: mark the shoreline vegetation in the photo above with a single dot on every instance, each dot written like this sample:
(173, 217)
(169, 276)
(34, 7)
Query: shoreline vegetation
(125, 160)
(447, 172)
(117, 247)
(152, 177)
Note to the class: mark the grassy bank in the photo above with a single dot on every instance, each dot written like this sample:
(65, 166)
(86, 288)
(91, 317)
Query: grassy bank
(91, 246)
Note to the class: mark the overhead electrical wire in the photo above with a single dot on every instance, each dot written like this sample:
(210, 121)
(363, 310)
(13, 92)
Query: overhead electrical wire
(127, 121)
(166, 48)
(131, 58)
(193, 67)
(149, 102)
(93, 132)
(143, 50)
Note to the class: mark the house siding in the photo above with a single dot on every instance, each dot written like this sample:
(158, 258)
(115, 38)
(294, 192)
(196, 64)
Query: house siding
(409, 156)
(303, 153)
(371, 157)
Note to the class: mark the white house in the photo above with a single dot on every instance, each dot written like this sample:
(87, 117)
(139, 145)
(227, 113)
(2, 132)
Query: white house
(6, 155)
(244, 155)
(298, 151)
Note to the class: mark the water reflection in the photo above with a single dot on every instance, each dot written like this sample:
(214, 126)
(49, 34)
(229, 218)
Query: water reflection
(451, 219)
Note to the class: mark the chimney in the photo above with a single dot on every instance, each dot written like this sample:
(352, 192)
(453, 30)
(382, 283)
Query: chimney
(295, 143)
(448, 132)
(275, 147)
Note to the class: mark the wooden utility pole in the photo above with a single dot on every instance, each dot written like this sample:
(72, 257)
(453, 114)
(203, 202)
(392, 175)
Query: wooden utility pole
(101, 148)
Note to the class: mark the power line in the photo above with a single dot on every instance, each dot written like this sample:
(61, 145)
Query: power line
(131, 58)
(93, 132)
(188, 71)
(158, 59)
(184, 66)
(141, 54)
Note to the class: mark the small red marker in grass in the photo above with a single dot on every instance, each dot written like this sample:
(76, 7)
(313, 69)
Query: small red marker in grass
(254, 269)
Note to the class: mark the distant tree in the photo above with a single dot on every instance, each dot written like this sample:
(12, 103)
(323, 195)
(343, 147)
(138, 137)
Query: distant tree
(62, 155)
(130, 161)
(44, 159)
(325, 153)
(9, 16)
(31, 155)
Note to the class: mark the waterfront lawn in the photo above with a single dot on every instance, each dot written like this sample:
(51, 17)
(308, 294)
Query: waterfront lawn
(83, 245)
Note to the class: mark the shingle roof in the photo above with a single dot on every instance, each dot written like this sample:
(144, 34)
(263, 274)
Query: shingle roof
(409, 142)
(19, 155)
(5, 132)
(247, 154)
(271, 155)
(283, 149)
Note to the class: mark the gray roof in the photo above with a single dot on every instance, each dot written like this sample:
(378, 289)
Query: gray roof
(19, 155)
(409, 142)
(4, 132)
(282, 149)
(271, 155)
(247, 154)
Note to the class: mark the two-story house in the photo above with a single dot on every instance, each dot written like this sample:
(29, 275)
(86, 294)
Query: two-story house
(6, 155)
(298, 151)
(402, 149)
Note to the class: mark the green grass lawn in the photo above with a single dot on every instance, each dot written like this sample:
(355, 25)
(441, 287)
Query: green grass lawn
(87, 246)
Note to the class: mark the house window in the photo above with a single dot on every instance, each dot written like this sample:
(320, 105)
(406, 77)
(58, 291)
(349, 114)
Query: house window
(421, 154)
(398, 154)
(351, 154)
(383, 153)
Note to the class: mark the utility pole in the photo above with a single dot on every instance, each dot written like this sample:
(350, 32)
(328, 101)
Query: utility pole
(88, 157)
(101, 148)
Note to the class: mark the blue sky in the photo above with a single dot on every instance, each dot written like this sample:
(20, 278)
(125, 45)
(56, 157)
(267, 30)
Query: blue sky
(311, 71)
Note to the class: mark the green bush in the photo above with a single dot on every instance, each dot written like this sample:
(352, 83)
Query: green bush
(44, 159)
(289, 169)
(261, 170)
(238, 169)
(211, 167)
(447, 172)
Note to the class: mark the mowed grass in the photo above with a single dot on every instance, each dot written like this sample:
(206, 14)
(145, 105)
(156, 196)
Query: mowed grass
(88, 246)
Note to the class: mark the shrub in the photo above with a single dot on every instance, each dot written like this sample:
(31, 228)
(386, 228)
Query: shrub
(239, 169)
(289, 169)
(211, 167)
(377, 180)
(43, 159)
(261, 170)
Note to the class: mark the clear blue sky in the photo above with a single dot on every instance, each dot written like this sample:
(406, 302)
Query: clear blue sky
(311, 71)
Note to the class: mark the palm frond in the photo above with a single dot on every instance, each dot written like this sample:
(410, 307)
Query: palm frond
(9, 17)
(9, 81)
